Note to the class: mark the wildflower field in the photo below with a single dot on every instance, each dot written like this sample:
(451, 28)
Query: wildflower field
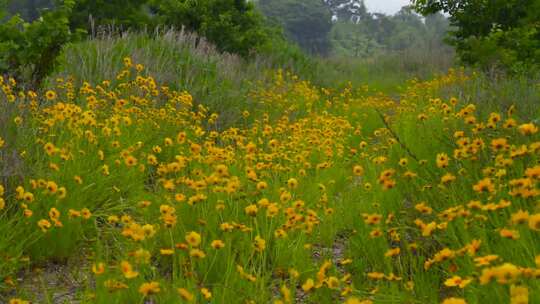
(313, 195)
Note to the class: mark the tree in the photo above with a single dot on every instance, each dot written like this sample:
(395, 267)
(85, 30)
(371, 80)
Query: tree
(437, 24)
(495, 32)
(233, 25)
(124, 14)
(350, 39)
(348, 10)
(29, 10)
(29, 50)
(407, 32)
(307, 22)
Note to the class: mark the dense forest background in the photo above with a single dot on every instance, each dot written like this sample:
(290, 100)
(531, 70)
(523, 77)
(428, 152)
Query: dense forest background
(347, 28)
(329, 28)
(503, 36)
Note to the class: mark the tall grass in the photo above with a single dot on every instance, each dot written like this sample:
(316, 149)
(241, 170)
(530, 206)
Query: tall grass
(181, 59)
(387, 71)
(498, 92)
(184, 61)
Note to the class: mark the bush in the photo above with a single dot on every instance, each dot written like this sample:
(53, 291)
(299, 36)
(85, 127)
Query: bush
(500, 49)
(498, 33)
(233, 26)
(121, 13)
(29, 50)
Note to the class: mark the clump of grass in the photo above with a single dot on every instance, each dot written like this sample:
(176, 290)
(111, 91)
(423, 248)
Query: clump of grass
(385, 72)
(499, 92)
(181, 59)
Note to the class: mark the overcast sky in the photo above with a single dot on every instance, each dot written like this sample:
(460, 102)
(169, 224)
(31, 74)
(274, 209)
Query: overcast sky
(385, 6)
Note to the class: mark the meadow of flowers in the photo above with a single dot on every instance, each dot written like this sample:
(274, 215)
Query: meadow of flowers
(316, 196)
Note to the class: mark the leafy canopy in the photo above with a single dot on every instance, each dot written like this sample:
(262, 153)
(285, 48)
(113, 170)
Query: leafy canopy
(29, 45)
(125, 14)
(501, 32)
(233, 25)
(29, 50)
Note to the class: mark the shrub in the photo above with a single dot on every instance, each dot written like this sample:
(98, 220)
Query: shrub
(233, 26)
(493, 33)
(121, 13)
(29, 50)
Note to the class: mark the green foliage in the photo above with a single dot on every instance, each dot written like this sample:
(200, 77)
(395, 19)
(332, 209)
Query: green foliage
(177, 58)
(516, 50)
(183, 61)
(306, 22)
(498, 92)
(2, 8)
(351, 40)
(124, 14)
(502, 33)
(382, 71)
(373, 34)
(29, 10)
(279, 53)
(233, 25)
(29, 51)
(348, 10)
